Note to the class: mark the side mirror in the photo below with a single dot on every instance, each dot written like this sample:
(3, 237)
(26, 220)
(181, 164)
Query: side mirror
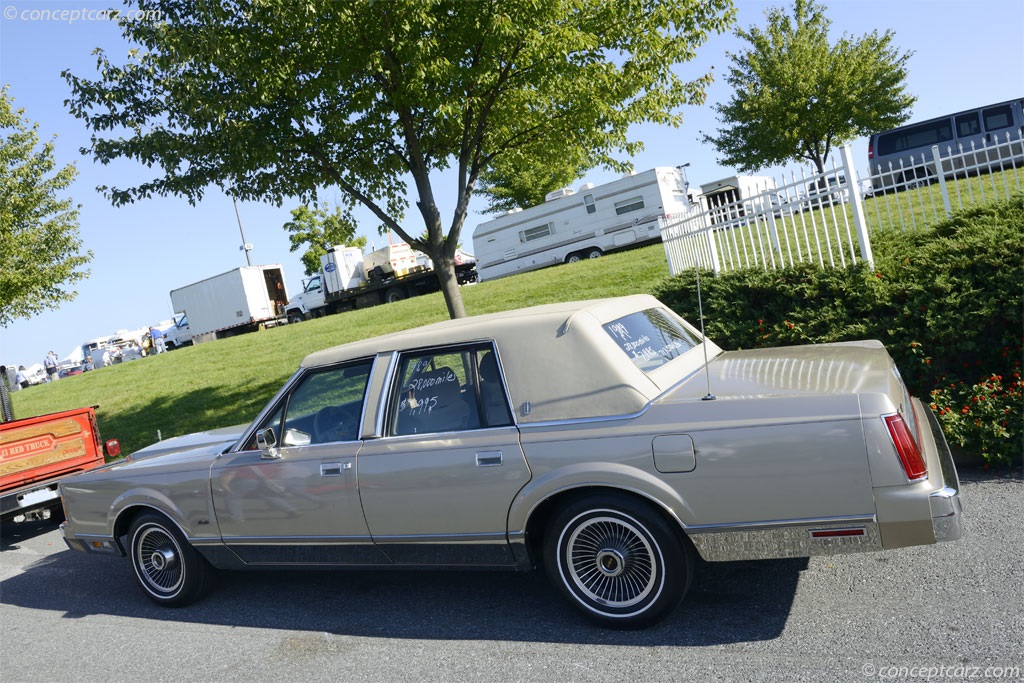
(267, 443)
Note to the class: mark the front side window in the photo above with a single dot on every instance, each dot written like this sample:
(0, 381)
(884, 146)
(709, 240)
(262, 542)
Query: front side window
(913, 137)
(651, 338)
(627, 205)
(448, 390)
(588, 201)
(536, 233)
(326, 406)
(967, 124)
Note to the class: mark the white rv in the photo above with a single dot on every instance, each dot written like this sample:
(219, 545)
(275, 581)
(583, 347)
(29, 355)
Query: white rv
(574, 225)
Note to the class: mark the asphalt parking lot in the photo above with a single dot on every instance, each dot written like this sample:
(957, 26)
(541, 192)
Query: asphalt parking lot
(947, 612)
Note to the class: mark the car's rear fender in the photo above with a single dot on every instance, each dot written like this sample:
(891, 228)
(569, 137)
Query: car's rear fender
(549, 490)
(926, 511)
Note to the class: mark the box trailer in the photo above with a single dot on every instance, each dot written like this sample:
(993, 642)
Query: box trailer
(241, 300)
(729, 198)
(585, 223)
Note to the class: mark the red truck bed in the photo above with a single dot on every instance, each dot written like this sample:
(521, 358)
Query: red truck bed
(38, 451)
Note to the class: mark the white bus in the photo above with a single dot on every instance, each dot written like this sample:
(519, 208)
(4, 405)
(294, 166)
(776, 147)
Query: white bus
(587, 223)
(898, 156)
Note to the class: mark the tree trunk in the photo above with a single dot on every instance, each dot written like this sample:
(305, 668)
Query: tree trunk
(444, 268)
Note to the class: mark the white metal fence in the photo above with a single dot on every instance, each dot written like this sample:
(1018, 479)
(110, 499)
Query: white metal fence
(826, 218)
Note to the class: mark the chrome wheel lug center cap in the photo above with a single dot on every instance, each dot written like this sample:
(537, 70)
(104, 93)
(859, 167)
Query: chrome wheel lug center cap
(610, 562)
(162, 559)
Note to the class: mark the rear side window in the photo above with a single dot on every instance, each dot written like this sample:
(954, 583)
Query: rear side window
(448, 390)
(997, 118)
(628, 205)
(651, 338)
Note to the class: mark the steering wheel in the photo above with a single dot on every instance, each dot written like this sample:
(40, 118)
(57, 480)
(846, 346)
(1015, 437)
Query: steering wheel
(327, 425)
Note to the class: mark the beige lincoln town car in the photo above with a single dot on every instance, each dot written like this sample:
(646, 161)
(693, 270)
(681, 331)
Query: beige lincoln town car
(603, 440)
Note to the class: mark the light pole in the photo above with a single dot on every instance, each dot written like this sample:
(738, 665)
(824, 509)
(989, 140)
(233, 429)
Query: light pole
(246, 247)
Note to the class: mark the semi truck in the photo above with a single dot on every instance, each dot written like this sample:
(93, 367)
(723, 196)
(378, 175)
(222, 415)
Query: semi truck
(572, 225)
(242, 300)
(37, 452)
(349, 279)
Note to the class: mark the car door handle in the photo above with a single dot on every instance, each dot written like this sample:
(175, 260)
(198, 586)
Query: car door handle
(488, 459)
(334, 469)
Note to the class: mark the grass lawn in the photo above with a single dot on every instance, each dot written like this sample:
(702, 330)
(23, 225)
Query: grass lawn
(228, 381)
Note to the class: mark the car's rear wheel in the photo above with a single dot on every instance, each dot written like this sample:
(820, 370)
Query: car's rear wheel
(617, 560)
(168, 569)
(574, 257)
(594, 253)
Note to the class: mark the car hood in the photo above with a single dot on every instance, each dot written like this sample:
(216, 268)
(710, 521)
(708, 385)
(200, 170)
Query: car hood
(216, 439)
(846, 368)
(181, 452)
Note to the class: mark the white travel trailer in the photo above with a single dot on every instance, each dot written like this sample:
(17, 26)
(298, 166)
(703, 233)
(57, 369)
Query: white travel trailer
(574, 225)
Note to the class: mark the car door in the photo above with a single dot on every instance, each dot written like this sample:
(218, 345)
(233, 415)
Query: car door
(437, 487)
(295, 500)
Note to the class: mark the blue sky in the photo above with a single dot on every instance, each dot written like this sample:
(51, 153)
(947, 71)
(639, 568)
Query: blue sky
(966, 54)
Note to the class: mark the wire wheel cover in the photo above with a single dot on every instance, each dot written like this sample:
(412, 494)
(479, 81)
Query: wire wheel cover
(158, 559)
(612, 562)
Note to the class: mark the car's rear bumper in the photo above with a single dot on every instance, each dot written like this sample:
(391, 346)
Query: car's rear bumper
(944, 502)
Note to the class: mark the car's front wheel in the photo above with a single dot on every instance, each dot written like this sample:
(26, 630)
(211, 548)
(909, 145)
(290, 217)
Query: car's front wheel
(168, 569)
(617, 561)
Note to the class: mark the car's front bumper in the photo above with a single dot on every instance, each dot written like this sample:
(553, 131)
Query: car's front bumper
(88, 543)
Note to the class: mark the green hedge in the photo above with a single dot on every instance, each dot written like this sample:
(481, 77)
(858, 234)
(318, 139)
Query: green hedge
(948, 302)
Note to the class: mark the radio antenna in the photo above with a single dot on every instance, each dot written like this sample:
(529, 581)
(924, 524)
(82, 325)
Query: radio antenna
(704, 343)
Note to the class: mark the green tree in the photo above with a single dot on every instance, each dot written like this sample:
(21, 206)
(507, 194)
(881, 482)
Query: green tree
(40, 257)
(796, 96)
(520, 178)
(319, 229)
(274, 99)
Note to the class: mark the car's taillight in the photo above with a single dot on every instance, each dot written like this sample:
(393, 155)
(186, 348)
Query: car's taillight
(906, 448)
(113, 448)
(871, 149)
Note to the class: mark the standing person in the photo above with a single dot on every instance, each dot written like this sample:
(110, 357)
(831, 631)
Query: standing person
(50, 363)
(158, 339)
(20, 378)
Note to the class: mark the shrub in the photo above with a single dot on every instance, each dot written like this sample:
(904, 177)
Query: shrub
(953, 291)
